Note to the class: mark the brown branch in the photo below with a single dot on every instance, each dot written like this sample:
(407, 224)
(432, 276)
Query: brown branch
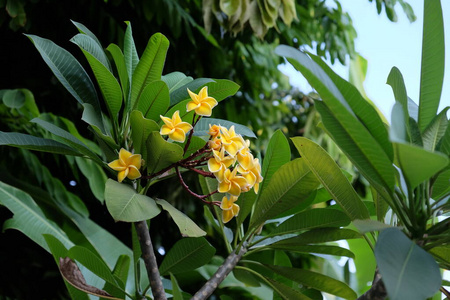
(220, 274)
(377, 291)
(150, 260)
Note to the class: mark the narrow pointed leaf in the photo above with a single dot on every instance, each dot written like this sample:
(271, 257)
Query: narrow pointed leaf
(408, 271)
(125, 204)
(30, 142)
(176, 291)
(119, 61)
(83, 29)
(395, 80)
(329, 174)
(187, 227)
(290, 185)
(154, 100)
(129, 51)
(298, 247)
(187, 254)
(202, 127)
(89, 45)
(150, 65)
(433, 62)
(286, 292)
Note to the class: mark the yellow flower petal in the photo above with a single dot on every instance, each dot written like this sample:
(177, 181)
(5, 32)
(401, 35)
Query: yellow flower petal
(224, 186)
(227, 215)
(185, 126)
(204, 110)
(165, 130)
(135, 160)
(178, 135)
(116, 165)
(191, 106)
(133, 173)
(122, 174)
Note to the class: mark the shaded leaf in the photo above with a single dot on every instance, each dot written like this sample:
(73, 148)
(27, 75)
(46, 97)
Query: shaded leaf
(140, 130)
(160, 153)
(154, 100)
(202, 127)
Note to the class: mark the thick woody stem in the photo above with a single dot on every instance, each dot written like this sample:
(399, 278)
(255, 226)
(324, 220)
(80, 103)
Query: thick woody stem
(220, 274)
(377, 291)
(150, 260)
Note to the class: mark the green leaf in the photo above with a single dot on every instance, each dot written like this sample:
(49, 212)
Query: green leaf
(181, 93)
(154, 100)
(129, 52)
(95, 175)
(435, 130)
(290, 185)
(28, 217)
(202, 127)
(442, 253)
(30, 142)
(315, 280)
(309, 219)
(68, 71)
(433, 58)
(150, 65)
(125, 204)
(68, 138)
(120, 274)
(426, 163)
(175, 80)
(176, 291)
(286, 292)
(329, 174)
(395, 80)
(398, 129)
(298, 247)
(229, 7)
(187, 227)
(160, 153)
(88, 45)
(83, 29)
(441, 186)
(187, 254)
(408, 271)
(320, 235)
(110, 88)
(14, 98)
(119, 61)
(91, 261)
(140, 130)
(369, 225)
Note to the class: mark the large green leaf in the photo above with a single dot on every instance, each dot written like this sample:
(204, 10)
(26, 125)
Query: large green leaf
(286, 292)
(28, 217)
(435, 130)
(160, 153)
(408, 271)
(354, 125)
(150, 65)
(202, 127)
(418, 164)
(433, 62)
(309, 219)
(321, 235)
(140, 130)
(187, 254)
(30, 142)
(329, 174)
(68, 138)
(129, 52)
(315, 280)
(68, 71)
(180, 93)
(290, 185)
(187, 227)
(175, 80)
(89, 45)
(95, 175)
(119, 61)
(110, 88)
(154, 100)
(14, 98)
(395, 80)
(125, 204)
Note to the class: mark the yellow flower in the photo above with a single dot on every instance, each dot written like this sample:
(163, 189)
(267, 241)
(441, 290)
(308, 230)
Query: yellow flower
(252, 173)
(127, 165)
(229, 208)
(231, 141)
(175, 128)
(215, 144)
(232, 183)
(219, 163)
(244, 156)
(201, 103)
(214, 131)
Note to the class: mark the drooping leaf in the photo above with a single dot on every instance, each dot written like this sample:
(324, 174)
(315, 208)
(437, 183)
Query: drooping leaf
(202, 127)
(154, 100)
(187, 254)
(125, 204)
(369, 225)
(329, 174)
(160, 153)
(140, 130)
(314, 218)
(30, 142)
(290, 185)
(150, 65)
(315, 280)
(408, 271)
(187, 227)
(433, 62)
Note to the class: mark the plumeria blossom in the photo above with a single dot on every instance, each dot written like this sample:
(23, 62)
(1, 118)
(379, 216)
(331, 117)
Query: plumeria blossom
(231, 141)
(229, 208)
(127, 165)
(214, 131)
(232, 183)
(175, 127)
(252, 173)
(201, 103)
(244, 156)
(219, 163)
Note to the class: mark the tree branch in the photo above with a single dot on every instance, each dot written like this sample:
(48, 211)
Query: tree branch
(150, 260)
(377, 291)
(220, 274)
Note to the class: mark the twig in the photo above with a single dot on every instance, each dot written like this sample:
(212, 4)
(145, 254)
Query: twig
(220, 274)
(201, 197)
(150, 260)
(377, 291)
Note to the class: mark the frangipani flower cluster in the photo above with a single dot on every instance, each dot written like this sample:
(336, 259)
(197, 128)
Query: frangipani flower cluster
(234, 167)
